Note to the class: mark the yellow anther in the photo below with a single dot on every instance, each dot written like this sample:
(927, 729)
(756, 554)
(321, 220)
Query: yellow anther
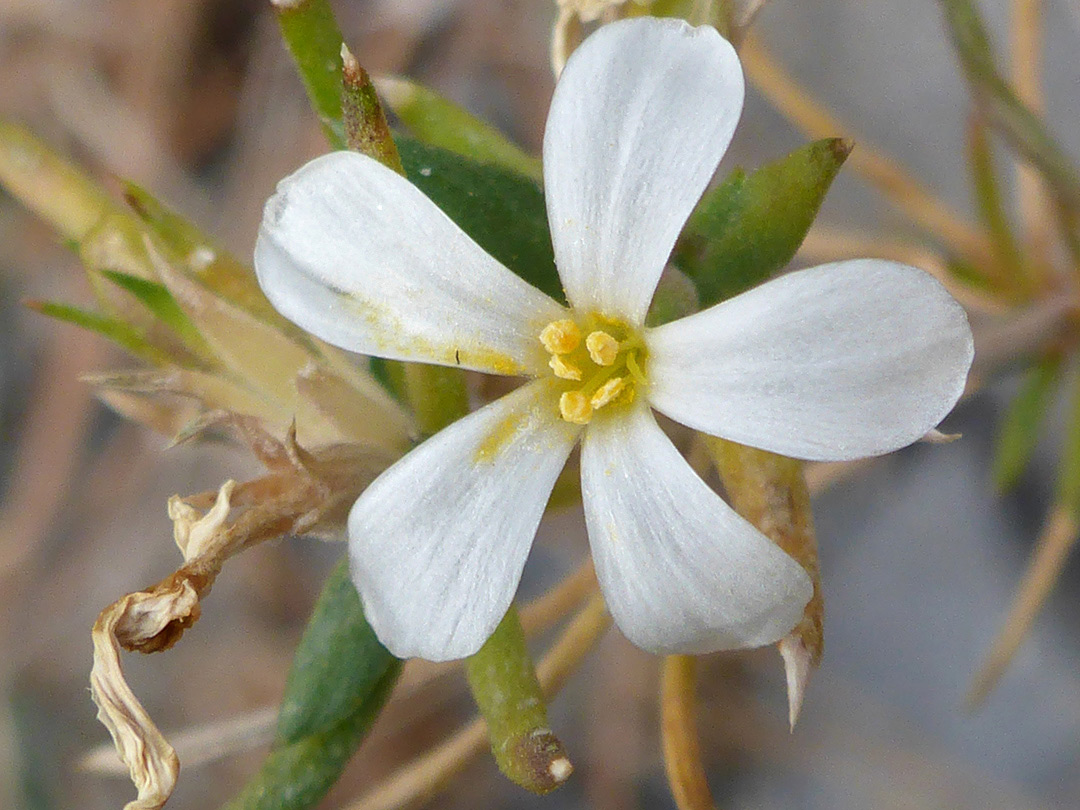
(561, 337)
(575, 407)
(607, 392)
(563, 368)
(603, 348)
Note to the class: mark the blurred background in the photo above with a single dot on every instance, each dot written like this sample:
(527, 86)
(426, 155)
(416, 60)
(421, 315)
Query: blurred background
(197, 101)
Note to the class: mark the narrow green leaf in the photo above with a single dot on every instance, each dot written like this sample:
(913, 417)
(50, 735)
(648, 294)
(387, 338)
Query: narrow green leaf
(314, 39)
(970, 274)
(503, 211)
(676, 297)
(340, 679)
(984, 176)
(1019, 430)
(120, 333)
(507, 692)
(201, 258)
(438, 395)
(436, 121)
(366, 130)
(51, 187)
(749, 227)
(297, 775)
(1024, 129)
(157, 298)
(1068, 483)
(336, 665)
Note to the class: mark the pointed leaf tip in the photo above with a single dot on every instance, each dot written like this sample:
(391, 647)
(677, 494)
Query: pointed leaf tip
(750, 226)
(797, 665)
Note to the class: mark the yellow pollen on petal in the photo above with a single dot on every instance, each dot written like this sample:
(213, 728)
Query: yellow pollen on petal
(603, 348)
(575, 407)
(607, 392)
(561, 337)
(564, 369)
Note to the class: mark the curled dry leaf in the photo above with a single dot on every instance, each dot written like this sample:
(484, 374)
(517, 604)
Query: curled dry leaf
(303, 492)
(151, 761)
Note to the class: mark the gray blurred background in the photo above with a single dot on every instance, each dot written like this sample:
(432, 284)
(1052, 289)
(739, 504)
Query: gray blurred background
(197, 101)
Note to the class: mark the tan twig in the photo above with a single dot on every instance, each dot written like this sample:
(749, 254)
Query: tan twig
(426, 775)
(682, 751)
(906, 193)
(1033, 202)
(200, 744)
(544, 611)
(48, 453)
(1053, 547)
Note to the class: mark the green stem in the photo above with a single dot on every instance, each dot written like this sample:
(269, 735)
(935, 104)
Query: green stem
(507, 692)
(314, 39)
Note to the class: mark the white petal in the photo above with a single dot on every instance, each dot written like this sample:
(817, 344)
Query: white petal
(836, 362)
(356, 254)
(642, 114)
(438, 541)
(681, 571)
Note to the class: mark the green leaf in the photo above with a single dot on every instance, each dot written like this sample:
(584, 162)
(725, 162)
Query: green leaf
(749, 227)
(501, 210)
(120, 333)
(366, 130)
(1026, 132)
(54, 189)
(1068, 484)
(336, 666)
(436, 121)
(970, 274)
(314, 39)
(1019, 430)
(157, 298)
(201, 258)
(340, 679)
(298, 775)
(984, 176)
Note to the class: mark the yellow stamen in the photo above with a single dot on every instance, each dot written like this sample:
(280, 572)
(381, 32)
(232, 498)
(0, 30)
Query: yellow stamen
(561, 337)
(607, 392)
(575, 407)
(603, 348)
(563, 368)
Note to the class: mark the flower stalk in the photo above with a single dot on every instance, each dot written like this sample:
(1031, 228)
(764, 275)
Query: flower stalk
(682, 751)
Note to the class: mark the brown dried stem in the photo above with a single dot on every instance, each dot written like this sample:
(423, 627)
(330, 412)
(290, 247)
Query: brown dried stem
(302, 493)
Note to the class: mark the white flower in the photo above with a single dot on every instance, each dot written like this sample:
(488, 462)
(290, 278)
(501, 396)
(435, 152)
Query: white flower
(836, 362)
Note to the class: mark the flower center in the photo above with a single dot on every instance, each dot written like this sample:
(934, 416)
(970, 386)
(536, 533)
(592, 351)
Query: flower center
(605, 356)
